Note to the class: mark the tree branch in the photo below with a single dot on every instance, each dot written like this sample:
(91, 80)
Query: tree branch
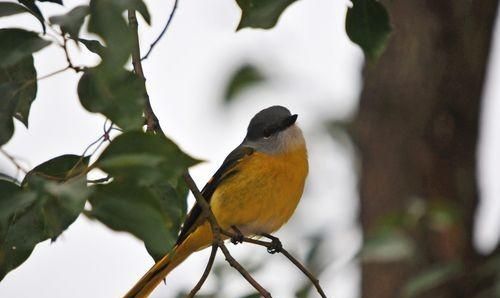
(162, 32)
(13, 160)
(216, 231)
(152, 122)
(270, 245)
(206, 272)
(66, 53)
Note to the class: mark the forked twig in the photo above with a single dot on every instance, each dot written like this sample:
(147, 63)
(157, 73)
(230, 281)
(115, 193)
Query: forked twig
(270, 245)
(170, 17)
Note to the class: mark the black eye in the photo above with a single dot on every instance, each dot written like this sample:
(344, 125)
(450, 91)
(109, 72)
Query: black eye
(267, 133)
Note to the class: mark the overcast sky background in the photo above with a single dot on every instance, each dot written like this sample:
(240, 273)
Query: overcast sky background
(312, 68)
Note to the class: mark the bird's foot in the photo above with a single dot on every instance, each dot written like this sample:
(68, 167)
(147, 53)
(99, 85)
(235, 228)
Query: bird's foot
(237, 237)
(275, 245)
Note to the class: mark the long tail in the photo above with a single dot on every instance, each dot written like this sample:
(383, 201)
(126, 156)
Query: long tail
(199, 239)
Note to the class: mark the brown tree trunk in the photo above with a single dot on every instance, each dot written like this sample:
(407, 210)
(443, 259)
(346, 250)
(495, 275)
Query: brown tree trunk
(417, 130)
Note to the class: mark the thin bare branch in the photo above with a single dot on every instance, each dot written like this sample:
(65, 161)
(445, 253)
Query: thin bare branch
(52, 73)
(271, 245)
(174, 8)
(206, 272)
(152, 122)
(13, 160)
(66, 53)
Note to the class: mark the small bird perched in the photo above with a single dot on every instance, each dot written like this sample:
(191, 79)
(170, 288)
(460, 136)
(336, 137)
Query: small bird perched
(255, 191)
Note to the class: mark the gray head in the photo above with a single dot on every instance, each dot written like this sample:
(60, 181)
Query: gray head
(272, 130)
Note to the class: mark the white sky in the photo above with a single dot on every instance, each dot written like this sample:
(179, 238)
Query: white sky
(313, 69)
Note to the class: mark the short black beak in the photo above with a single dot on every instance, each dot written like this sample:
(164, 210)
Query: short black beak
(290, 121)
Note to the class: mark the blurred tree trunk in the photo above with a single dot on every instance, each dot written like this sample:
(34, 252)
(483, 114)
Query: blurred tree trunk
(417, 130)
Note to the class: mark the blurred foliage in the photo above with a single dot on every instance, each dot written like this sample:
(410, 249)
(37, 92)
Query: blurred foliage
(261, 13)
(367, 24)
(246, 76)
(144, 193)
(72, 21)
(430, 279)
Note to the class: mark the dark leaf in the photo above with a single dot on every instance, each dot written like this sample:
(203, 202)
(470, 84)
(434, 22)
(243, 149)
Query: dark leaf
(107, 21)
(12, 200)
(93, 45)
(144, 158)
(430, 279)
(9, 8)
(18, 87)
(72, 21)
(42, 209)
(35, 11)
(59, 168)
(18, 44)
(245, 77)
(367, 24)
(119, 95)
(151, 213)
(53, 1)
(261, 13)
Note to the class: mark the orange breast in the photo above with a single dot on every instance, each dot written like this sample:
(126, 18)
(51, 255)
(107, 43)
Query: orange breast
(264, 193)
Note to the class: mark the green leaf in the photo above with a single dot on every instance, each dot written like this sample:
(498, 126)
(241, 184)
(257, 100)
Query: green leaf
(18, 44)
(243, 78)
(387, 245)
(35, 11)
(261, 13)
(60, 168)
(23, 234)
(144, 158)
(153, 214)
(93, 45)
(107, 21)
(55, 207)
(53, 1)
(18, 87)
(9, 8)
(120, 96)
(367, 24)
(430, 279)
(72, 21)
(12, 201)
(53, 195)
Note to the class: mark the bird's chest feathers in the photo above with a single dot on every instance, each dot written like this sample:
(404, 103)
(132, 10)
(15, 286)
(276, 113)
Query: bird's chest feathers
(263, 193)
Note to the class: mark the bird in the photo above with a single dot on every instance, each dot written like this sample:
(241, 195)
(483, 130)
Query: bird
(255, 191)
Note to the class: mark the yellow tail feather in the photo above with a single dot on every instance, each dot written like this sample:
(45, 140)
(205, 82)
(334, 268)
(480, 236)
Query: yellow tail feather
(199, 239)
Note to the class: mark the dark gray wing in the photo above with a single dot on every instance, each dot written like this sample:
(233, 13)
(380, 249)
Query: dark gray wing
(225, 170)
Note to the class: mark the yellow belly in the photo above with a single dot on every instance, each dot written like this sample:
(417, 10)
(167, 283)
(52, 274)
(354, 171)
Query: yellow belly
(263, 194)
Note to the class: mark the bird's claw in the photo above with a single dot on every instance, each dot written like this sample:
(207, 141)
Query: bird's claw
(237, 237)
(275, 246)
